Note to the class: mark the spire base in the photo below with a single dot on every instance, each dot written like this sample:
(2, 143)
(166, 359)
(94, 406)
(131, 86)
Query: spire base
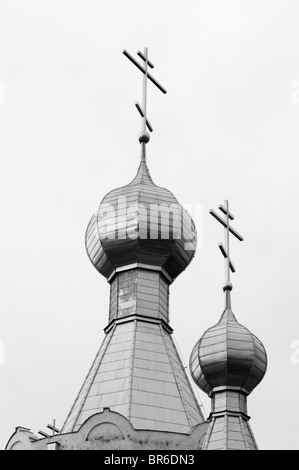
(227, 286)
(144, 136)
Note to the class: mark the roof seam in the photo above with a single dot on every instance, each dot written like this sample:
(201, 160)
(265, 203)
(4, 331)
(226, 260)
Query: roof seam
(252, 358)
(208, 435)
(252, 435)
(91, 381)
(225, 443)
(175, 377)
(185, 369)
(132, 370)
(243, 432)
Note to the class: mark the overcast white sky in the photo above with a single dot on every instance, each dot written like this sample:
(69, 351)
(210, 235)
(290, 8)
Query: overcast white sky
(227, 129)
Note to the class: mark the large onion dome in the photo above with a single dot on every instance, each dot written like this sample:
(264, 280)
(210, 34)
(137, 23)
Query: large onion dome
(228, 354)
(141, 224)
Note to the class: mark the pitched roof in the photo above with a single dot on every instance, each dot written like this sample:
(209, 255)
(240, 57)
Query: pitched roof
(138, 373)
(229, 432)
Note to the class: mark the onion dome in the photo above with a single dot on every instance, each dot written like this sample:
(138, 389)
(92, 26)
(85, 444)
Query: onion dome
(141, 225)
(228, 354)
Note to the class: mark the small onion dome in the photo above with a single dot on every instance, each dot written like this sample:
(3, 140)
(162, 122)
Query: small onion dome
(141, 223)
(228, 354)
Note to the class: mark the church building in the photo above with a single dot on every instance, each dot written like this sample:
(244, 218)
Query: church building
(137, 393)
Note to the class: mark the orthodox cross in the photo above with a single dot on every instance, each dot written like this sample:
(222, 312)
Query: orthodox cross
(225, 248)
(53, 427)
(144, 136)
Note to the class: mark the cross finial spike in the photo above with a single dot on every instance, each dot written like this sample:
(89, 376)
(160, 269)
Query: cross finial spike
(144, 92)
(225, 248)
(226, 238)
(144, 136)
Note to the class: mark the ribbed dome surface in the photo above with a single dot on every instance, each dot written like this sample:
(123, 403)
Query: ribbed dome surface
(228, 354)
(141, 223)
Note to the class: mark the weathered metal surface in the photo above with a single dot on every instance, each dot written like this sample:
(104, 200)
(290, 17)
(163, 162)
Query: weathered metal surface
(141, 292)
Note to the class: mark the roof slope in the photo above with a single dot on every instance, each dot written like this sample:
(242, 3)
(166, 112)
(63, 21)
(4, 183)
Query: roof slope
(138, 373)
(229, 433)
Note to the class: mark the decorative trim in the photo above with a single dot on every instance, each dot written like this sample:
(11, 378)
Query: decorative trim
(146, 267)
(143, 318)
(226, 388)
(217, 414)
